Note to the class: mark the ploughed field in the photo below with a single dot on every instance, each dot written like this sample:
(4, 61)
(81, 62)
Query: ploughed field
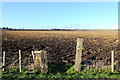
(61, 45)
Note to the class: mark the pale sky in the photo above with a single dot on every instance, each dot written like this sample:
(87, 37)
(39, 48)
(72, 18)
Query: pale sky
(63, 15)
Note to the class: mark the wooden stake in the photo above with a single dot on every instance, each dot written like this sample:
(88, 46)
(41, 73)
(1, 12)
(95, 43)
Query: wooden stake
(112, 61)
(4, 60)
(33, 55)
(36, 59)
(20, 64)
(42, 63)
(79, 49)
(33, 60)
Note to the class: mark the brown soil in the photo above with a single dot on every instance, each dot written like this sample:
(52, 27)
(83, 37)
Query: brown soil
(61, 45)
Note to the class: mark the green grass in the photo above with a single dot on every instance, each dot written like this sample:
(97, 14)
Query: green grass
(61, 72)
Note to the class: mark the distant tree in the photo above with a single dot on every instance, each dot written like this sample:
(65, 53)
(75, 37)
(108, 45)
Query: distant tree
(7, 28)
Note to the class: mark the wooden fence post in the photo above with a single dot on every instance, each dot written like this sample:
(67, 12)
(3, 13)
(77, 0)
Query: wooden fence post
(79, 49)
(40, 60)
(32, 66)
(112, 61)
(4, 60)
(33, 55)
(43, 61)
(20, 64)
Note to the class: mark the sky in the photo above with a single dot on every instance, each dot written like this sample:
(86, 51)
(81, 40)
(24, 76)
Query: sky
(62, 15)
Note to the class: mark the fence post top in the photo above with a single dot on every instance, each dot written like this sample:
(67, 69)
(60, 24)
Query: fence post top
(78, 39)
(39, 51)
(112, 51)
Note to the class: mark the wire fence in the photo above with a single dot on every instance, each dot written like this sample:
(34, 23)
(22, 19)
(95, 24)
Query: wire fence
(27, 62)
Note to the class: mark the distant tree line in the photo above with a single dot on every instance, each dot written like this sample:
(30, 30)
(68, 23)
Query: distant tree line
(69, 29)
(54, 29)
(61, 29)
(7, 28)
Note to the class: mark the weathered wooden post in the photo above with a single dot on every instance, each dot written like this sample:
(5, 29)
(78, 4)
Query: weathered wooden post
(4, 60)
(79, 49)
(40, 60)
(112, 61)
(36, 59)
(43, 61)
(20, 64)
(33, 54)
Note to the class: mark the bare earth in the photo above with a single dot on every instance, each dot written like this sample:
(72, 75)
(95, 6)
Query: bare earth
(61, 45)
